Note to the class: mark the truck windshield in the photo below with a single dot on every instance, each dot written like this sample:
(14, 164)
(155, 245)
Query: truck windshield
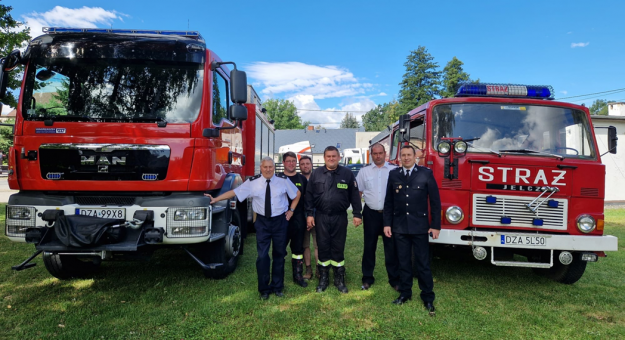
(522, 129)
(112, 90)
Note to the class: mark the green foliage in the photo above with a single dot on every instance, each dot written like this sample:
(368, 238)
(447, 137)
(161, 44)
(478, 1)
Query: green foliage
(349, 122)
(6, 138)
(12, 37)
(453, 75)
(167, 297)
(599, 107)
(421, 82)
(380, 117)
(284, 114)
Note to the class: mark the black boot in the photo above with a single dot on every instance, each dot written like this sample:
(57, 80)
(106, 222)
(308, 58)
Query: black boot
(339, 279)
(324, 279)
(298, 271)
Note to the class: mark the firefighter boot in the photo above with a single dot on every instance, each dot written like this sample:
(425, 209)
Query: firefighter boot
(339, 279)
(324, 279)
(297, 272)
(308, 274)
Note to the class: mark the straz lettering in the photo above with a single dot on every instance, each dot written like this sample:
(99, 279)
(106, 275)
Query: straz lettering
(341, 186)
(496, 89)
(521, 176)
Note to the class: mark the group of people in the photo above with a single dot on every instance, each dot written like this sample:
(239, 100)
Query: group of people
(290, 207)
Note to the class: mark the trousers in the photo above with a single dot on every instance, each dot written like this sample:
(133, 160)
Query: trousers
(270, 230)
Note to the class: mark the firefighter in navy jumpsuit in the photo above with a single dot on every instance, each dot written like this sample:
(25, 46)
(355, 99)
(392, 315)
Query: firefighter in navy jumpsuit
(331, 189)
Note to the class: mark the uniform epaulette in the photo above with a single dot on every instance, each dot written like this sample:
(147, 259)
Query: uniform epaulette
(281, 175)
(255, 177)
(423, 168)
(396, 169)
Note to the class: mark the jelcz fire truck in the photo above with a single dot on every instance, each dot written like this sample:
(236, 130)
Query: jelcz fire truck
(518, 174)
(118, 136)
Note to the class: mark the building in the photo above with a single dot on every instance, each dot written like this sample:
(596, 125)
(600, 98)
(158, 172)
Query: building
(319, 139)
(614, 163)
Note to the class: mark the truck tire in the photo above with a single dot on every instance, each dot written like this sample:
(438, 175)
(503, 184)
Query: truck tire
(225, 251)
(65, 267)
(567, 274)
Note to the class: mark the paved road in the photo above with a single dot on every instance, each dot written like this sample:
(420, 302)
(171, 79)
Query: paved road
(5, 192)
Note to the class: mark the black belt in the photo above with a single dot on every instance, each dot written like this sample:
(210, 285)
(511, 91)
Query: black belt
(378, 211)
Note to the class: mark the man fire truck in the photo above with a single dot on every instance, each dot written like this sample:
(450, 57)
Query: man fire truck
(518, 173)
(118, 135)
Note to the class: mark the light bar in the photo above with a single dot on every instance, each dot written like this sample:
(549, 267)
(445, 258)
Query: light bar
(505, 90)
(53, 30)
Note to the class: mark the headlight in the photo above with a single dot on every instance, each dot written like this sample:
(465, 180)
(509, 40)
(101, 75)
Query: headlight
(188, 222)
(19, 219)
(454, 215)
(460, 147)
(190, 214)
(586, 223)
(444, 147)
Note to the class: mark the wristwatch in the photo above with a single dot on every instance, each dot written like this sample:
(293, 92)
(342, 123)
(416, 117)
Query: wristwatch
(292, 210)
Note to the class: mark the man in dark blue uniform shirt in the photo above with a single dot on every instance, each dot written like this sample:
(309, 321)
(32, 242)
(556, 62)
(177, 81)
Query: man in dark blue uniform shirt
(409, 189)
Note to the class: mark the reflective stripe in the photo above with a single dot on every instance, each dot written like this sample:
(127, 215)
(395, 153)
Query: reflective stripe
(337, 264)
(297, 257)
(324, 264)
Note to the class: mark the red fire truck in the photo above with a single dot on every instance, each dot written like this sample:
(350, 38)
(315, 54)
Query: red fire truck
(119, 133)
(518, 173)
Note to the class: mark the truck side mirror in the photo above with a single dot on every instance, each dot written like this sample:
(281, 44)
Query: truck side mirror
(238, 112)
(238, 86)
(4, 78)
(7, 64)
(612, 138)
(404, 128)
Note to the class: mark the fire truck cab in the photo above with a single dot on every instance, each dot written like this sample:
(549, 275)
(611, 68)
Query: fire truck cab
(518, 174)
(118, 136)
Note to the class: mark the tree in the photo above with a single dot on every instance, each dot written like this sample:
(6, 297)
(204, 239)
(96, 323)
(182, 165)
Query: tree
(599, 107)
(12, 36)
(284, 114)
(349, 122)
(6, 139)
(380, 117)
(453, 75)
(421, 82)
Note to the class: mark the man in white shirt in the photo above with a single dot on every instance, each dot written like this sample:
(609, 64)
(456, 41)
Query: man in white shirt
(269, 193)
(372, 180)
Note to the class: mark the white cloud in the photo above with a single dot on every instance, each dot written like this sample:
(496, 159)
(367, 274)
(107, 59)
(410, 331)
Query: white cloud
(295, 78)
(382, 94)
(330, 118)
(574, 45)
(85, 17)
(564, 92)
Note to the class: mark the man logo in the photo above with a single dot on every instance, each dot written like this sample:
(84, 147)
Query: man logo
(102, 160)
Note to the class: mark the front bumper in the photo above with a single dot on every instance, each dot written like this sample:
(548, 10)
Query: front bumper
(552, 241)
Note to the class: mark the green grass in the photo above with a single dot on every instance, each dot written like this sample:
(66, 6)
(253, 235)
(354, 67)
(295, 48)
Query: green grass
(168, 297)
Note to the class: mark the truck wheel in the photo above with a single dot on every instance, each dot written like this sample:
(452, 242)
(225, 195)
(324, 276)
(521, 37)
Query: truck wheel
(567, 274)
(226, 251)
(65, 267)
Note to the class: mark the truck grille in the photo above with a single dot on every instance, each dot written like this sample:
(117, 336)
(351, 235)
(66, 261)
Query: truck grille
(490, 214)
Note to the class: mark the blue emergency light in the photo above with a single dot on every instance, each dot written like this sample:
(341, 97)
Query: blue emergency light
(55, 30)
(506, 220)
(491, 199)
(553, 203)
(538, 222)
(505, 90)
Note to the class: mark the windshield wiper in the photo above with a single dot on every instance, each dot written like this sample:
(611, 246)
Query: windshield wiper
(69, 118)
(483, 149)
(531, 151)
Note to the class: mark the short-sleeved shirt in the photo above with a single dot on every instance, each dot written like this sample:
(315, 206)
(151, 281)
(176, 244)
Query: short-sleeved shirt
(372, 182)
(256, 186)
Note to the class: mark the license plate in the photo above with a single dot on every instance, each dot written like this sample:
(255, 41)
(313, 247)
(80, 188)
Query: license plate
(523, 240)
(102, 212)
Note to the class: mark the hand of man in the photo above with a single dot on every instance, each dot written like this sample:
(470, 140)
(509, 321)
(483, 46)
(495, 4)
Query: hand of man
(289, 214)
(387, 232)
(310, 222)
(357, 221)
(434, 232)
(211, 197)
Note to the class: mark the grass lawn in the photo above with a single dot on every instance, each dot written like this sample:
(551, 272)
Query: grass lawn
(168, 297)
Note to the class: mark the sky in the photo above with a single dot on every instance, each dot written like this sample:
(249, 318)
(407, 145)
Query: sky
(348, 56)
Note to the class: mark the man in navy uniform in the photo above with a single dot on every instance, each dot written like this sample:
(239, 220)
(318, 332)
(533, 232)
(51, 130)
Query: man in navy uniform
(269, 193)
(406, 218)
(331, 189)
(297, 223)
(372, 180)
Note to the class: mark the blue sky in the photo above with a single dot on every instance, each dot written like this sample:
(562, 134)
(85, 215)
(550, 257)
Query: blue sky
(349, 55)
